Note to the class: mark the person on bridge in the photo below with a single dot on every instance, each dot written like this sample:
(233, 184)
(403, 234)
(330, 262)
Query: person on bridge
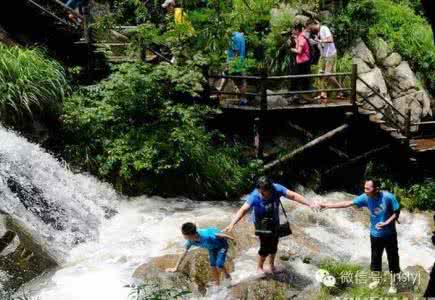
(209, 238)
(328, 56)
(180, 16)
(303, 63)
(236, 55)
(384, 212)
(263, 203)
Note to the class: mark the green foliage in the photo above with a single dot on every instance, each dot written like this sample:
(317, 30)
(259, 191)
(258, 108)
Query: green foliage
(353, 21)
(29, 83)
(407, 33)
(337, 270)
(152, 291)
(278, 57)
(134, 130)
(417, 196)
(397, 22)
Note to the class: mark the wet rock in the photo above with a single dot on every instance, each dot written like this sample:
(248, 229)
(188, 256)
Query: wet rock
(375, 80)
(392, 61)
(285, 284)
(361, 51)
(27, 260)
(362, 66)
(261, 289)
(194, 273)
(380, 49)
(414, 279)
(417, 102)
(195, 269)
(44, 257)
(154, 271)
(401, 80)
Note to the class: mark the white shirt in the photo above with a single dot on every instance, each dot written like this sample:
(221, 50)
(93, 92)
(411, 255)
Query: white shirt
(326, 49)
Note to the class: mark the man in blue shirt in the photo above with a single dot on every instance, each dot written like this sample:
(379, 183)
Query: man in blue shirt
(209, 238)
(237, 51)
(264, 203)
(384, 211)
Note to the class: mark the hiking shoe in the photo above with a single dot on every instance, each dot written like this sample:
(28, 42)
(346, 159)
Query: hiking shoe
(374, 284)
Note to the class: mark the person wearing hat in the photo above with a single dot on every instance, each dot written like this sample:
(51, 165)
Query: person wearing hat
(179, 14)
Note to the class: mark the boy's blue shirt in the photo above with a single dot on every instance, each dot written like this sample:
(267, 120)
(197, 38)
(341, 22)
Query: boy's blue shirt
(208, 239)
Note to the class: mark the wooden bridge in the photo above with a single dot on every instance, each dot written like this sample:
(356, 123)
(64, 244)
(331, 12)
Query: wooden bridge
(417, 137)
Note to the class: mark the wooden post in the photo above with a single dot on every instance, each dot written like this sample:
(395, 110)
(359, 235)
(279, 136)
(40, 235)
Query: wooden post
(258, 142)
(259, 120)
(354, 79)
(408, 123)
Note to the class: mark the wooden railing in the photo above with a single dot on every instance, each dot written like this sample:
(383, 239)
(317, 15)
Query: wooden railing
(261, 82)
(403, 127)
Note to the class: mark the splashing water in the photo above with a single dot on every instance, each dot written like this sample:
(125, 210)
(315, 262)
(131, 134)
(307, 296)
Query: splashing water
(60, 207)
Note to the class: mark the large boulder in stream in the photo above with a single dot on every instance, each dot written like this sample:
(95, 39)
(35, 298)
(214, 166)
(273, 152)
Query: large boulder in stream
(194, 272)
(22, 255)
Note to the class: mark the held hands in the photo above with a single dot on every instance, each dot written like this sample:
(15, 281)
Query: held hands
(315, 205)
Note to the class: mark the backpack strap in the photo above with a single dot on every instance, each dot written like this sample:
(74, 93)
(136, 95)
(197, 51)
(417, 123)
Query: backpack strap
(283, 210)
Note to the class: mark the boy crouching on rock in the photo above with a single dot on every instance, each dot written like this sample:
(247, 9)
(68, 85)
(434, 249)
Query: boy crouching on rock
(209, 238)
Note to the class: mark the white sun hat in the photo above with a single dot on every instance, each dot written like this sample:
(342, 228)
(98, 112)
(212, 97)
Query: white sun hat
(167, 3)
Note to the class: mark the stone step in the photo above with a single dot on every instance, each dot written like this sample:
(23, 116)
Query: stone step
(376, 119)
(388, 128)
(398, 136)
(366, 111)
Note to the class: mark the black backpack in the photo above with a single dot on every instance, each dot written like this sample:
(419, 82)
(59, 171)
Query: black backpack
(314, 52)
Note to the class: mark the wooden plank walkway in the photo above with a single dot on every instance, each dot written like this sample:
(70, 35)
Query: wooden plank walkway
(346, 103)
(423, 144)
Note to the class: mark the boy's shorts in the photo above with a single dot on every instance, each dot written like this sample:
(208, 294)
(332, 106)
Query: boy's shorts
(217, 257)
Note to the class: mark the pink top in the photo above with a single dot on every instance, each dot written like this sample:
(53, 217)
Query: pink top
(303, 49)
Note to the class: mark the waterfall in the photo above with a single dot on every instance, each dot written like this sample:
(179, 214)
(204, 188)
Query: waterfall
(60, 208)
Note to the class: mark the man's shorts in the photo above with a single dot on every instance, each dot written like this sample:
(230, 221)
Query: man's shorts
(328, 64)
(217, 257)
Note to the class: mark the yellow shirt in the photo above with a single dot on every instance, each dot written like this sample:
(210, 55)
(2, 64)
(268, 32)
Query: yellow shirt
(180, 18)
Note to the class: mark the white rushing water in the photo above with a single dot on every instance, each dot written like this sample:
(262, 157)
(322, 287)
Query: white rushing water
(144, 227)
(60, 207)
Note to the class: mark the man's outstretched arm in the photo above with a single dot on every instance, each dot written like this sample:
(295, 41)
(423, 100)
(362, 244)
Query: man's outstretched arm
(239, 215)
(301, 199)
(342, 204)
